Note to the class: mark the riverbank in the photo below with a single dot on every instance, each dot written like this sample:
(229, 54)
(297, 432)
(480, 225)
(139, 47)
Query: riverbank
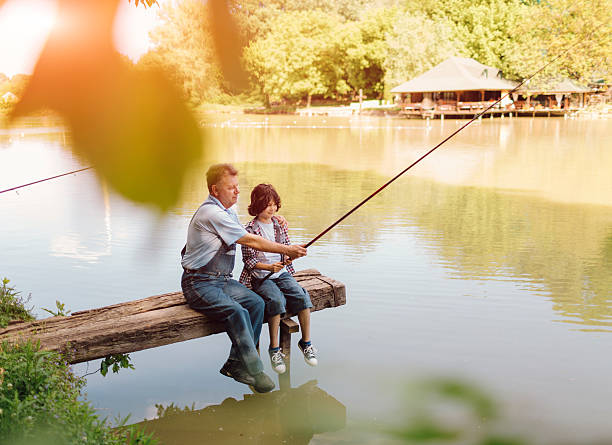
(41, 399)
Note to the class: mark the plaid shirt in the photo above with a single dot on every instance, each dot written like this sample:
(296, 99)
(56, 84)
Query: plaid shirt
(251, 257)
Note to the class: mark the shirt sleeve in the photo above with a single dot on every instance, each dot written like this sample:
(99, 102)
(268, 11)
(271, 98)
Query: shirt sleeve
(228, 228)
(249, 256)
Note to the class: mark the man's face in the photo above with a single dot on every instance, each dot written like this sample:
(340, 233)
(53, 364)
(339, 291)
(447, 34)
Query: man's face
(227, 190)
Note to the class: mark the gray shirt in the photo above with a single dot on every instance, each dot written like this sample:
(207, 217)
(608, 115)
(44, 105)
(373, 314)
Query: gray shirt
(210, 224)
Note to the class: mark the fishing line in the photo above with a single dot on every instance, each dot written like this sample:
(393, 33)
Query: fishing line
(338, 221)
(385, 185)
(45, 179)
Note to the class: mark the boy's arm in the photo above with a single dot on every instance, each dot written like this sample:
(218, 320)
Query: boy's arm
(275, 267)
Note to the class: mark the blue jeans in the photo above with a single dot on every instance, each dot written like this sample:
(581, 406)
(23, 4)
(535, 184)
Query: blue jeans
(282, 294)
(237, 307)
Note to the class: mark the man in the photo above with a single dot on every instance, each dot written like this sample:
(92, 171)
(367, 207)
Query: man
(207, 283)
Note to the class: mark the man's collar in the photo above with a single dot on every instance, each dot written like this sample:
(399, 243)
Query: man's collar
(216, 201)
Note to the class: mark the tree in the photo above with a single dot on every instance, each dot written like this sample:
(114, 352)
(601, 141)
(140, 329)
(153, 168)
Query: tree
(579, 31)
(417, 43)
(364, 51)
(289, 62)
(486, 28)
(184, 48)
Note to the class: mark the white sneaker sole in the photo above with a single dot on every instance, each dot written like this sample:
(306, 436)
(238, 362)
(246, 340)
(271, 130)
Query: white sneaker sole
(279, 369)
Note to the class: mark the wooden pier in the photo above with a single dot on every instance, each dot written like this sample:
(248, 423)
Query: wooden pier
(149, 322)
(469, 114)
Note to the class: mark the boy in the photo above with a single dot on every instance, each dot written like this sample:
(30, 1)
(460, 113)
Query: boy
(281, 291)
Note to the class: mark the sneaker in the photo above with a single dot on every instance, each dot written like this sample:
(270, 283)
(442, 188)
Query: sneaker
(276, 359)
(310, 354)
(263, 383)
(236, 371)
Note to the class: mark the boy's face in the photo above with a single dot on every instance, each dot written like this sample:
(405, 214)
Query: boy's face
(269, 211)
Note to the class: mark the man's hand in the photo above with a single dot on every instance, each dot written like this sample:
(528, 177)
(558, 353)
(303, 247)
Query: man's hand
(282, 221)
(276, 267)
(296, 251)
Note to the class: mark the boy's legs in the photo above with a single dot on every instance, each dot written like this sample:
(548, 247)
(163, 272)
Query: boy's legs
(298, 301)
(273, 328)
(304, 320)
(275, 306)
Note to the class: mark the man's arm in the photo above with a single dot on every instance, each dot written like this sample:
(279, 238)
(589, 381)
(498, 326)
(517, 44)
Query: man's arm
(258, 243)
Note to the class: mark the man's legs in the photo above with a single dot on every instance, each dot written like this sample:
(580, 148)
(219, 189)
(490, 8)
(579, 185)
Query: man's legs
(242, 315)
(255, 307)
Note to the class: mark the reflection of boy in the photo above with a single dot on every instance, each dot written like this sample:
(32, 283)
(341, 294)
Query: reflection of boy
(281, 291)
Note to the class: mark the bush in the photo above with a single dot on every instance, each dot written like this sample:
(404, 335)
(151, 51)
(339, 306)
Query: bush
(274, 109)
(39, 403)
(12, 306)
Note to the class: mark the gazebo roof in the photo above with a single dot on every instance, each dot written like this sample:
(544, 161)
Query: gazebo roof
(565, 86)
(457, 74)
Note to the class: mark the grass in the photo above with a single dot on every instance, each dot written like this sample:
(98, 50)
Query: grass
(41, 399)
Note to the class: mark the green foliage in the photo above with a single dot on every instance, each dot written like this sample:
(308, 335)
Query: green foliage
(313, 53)
(364, 50)
(12, 305)
(300, 49)
(486, 28)
(427, 399)
(417, 43)
(184, 47)
(115, 362)
(39, 402)
(61, 310)
(293, 59)
(555, 26)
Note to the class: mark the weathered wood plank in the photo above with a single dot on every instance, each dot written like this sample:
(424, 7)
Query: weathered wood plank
(145, 323)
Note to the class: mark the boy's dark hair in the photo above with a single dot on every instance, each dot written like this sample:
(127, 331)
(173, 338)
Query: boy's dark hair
(261, 197)
(216, 172)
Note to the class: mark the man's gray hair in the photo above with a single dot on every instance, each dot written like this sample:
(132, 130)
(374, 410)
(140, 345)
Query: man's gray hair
(216, 172)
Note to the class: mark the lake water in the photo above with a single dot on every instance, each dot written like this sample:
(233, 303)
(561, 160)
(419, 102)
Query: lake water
(489, 264)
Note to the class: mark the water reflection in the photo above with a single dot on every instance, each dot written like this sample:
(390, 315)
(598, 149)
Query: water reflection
(508, 229)
(506, 200)
(291, 416)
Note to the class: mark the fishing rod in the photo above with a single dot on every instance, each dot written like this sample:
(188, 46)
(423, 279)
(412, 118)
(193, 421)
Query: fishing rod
(389, 182)
(45, 179)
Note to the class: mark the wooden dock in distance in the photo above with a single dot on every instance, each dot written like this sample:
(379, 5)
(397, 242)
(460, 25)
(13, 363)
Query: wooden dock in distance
(146, 323)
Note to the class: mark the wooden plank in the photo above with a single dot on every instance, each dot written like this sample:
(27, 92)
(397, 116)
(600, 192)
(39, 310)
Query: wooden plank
(290, 326)
(145, 323)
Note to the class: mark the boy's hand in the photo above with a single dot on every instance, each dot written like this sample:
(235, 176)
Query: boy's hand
(276, 267)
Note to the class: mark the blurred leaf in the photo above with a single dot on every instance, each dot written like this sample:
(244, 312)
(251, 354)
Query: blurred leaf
(452, 389)
(131, 125)
(227, 41)
(424, 432)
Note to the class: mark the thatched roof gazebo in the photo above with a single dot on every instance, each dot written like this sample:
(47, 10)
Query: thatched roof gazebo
(458, 84)
(551, 93)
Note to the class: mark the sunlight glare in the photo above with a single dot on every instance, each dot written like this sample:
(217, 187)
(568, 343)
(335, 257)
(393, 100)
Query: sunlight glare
(24, 27)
